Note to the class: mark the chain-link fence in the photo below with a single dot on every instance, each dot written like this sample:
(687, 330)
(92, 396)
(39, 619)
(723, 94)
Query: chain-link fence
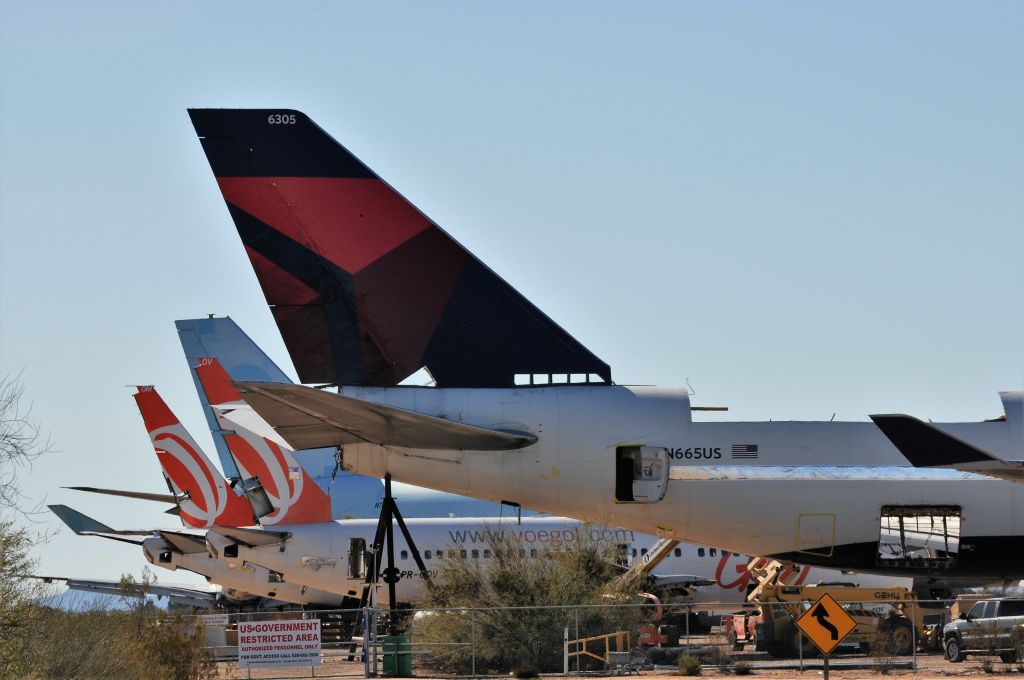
(578, 640)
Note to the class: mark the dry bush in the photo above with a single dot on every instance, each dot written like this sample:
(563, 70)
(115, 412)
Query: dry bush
(138, 642)
(506, 607)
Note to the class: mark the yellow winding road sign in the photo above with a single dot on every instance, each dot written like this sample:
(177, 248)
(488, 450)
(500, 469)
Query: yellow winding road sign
(826, 623)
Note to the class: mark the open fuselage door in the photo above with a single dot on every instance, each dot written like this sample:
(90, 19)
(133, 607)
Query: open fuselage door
(641, 474)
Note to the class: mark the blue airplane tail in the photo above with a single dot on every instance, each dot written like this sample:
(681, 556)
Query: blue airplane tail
(221, 338)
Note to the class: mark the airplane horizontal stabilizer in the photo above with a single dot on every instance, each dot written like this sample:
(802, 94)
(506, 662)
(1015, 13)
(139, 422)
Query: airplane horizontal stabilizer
(308, 418)
(183, 543)
(254, 537)
(79, 523)
(141, 495)
(926, 446)
(83, 525)
(188, 596)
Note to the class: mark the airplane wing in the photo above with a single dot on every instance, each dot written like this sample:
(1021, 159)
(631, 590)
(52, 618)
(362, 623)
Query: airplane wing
(308, 418)
(926, 446)
(181, 595)
(253, 537)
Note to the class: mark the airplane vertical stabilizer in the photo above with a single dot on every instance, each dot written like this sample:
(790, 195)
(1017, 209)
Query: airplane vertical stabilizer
(365, 288)
(205, 497)
(259, 452)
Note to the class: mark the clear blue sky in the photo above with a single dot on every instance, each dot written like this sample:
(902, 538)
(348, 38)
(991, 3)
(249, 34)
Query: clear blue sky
(804, 208)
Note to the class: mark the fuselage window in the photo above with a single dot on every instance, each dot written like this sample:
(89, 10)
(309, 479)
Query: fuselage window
(426, 554)
(533, 552)
(476, 554)
(677, 552)
(487, 554)
(700, 552)
(462, 554)
(643, 551)
(405, 554)
(713, 552)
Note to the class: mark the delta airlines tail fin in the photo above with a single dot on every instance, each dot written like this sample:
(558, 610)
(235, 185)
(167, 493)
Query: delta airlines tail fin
(259, 452)
(204, 495)
(365, 288)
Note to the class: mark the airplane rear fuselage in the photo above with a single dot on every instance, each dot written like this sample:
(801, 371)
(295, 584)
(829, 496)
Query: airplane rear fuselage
(633, 457)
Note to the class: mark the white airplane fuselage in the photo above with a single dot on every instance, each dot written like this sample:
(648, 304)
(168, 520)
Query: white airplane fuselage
(319, 555)
(241, 584)
(734, 485)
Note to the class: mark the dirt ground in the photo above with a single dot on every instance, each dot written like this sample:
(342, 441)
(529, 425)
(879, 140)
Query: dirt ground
(845, 664)
(930, 667)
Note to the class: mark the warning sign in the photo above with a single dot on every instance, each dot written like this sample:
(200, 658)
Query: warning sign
(826, 623)
(274, 644)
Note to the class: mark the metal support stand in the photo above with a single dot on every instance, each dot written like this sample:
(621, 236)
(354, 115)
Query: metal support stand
(384, 541)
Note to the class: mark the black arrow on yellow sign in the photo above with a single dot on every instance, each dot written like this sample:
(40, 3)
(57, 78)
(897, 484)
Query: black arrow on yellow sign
(821, 614)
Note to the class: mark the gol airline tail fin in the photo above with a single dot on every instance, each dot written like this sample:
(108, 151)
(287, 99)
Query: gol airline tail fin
(204, 495)
(260, 453)
(365, 288)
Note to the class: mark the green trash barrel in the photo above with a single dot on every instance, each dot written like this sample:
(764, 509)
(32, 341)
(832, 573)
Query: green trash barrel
(397, 656)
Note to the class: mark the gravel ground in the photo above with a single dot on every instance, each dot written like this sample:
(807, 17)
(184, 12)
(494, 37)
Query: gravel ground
(844, 665)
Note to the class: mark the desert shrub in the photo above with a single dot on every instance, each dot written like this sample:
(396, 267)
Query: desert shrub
(717, 654)
(102, 643)
(511, 606)
(20, 616)
(689, 665)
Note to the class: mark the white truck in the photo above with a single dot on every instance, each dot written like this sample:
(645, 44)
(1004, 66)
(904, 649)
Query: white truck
(991, 627)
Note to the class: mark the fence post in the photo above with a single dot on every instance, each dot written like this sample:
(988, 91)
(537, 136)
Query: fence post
(799, 648)
(576, 614)
(472, 639)
(913, 632)
(565, 651)
(689, 613)
(366, 649)
(373, 636)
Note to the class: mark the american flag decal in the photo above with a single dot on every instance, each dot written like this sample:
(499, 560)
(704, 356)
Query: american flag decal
(744, 450)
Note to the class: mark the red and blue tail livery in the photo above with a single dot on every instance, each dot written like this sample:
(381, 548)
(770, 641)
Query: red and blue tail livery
(365, 288)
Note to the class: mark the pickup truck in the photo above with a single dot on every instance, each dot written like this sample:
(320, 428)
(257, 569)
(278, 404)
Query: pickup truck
(990, 627)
